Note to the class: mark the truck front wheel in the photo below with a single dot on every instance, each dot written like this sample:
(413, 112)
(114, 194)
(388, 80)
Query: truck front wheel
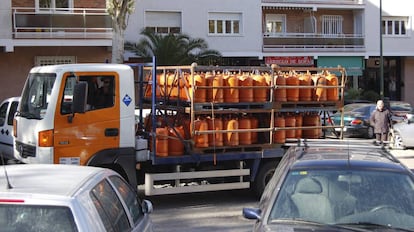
(264, 175)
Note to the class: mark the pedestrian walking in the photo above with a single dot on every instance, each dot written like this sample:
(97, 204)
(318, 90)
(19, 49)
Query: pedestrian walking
(381, 121)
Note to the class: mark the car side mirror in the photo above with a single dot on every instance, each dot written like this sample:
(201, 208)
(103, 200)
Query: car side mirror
(147, 206)
(80, 92)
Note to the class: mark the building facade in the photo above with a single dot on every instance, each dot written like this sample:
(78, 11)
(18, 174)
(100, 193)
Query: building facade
(318, 33)
(41, 32)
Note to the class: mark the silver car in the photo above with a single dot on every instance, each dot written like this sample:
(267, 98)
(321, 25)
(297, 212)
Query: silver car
(402, 135)
(45, 197)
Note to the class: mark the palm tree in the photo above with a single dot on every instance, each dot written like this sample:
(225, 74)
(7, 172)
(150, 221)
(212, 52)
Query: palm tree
(172, 49)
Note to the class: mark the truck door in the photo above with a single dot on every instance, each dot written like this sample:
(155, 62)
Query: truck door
(79, 138)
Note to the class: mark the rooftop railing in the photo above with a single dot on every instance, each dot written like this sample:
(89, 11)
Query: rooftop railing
(67, 23)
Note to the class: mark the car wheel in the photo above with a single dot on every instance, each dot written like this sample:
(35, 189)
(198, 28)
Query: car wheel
(397, 141)
(370, 132)
(264, 175)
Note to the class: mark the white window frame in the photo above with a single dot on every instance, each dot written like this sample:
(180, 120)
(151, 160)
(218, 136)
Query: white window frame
(332, 24)
(222, 20)
(272, 20)
(52, 60)
(395, 22)
(53, 7)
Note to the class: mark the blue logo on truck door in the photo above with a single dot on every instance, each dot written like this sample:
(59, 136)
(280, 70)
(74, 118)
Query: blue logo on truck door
(127, 100)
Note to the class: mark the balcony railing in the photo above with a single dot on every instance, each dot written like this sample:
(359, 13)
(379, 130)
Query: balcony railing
(273, 42)
(331, 2)
(72, 23)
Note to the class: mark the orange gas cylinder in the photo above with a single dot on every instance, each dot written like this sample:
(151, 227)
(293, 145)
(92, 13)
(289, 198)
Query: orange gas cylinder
(332, 94)
(245, 138)
(200, 140)
(260, 91)
(231, 138)
(231, 92)
(161, 142)
(311, 120)
(305, 80)
(214, 94)
(280, 90)
(255, 125)
(215, 124)
(279, 136)
(290, 121)
(175, 143)
(319, 92)
(292, 93)
(246, 90)
(298, 123)
(198, 94)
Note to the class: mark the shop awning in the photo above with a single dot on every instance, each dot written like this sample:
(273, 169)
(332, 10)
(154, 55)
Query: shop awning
(353, 64)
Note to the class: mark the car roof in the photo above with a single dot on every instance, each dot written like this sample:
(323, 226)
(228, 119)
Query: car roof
(47, 179)
(345, 155)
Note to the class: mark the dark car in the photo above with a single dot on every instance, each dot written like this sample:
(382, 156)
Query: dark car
(337, 186)
(356, 120)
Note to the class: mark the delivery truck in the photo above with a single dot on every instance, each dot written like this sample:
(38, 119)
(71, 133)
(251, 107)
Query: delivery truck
(174, 129)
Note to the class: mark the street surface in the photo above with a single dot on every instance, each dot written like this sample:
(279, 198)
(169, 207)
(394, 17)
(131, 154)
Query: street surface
(217, 211)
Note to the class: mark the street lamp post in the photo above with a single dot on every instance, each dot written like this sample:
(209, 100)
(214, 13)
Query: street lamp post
(381, 56)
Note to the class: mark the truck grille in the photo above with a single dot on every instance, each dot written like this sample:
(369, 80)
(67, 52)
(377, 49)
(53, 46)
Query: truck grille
(26, 150)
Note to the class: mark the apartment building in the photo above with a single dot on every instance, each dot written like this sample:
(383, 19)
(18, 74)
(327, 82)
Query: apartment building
(315, 33)
(40, 32)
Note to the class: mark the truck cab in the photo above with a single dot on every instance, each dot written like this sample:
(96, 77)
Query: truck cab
(48, 130)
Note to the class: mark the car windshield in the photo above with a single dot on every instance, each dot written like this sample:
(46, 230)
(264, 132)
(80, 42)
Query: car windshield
(36, 218)
(36, 95)
(351, 197)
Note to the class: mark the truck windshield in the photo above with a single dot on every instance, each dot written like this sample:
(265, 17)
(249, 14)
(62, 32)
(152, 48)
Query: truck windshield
(36, 95)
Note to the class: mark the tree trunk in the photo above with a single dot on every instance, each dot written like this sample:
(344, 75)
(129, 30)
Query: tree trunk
(118, 44)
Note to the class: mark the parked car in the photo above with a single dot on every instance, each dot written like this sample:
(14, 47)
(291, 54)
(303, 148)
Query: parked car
(356, 120)
(400, 110)
(7, 111)
(402, 135)
(46, 197)
(337, 186)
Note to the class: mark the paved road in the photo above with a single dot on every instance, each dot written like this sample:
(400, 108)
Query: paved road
(405, 156)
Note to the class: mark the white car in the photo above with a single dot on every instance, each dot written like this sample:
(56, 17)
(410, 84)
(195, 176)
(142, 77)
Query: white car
(7, 110)
(53, 197)
(402, 134)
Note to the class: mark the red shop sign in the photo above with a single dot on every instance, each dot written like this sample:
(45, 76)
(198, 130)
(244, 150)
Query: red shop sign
(290, 60)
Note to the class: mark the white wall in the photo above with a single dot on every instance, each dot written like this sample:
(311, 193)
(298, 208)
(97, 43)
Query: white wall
(195, 23)
(392, 46)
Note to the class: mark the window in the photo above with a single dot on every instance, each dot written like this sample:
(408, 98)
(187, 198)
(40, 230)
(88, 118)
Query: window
(53, 5)
(275, 23)
(163, 22)
(394, 26)
(224, 23)
(129, 197)
(27, 217)
(332, 24)
(100, 92)
(3, 112)
(109, 207)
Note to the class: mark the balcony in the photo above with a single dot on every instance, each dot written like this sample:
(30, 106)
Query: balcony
(330, 2)
(72, 23)
(310, 42)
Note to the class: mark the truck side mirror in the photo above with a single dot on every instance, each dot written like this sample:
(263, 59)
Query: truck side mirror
(80, 93)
